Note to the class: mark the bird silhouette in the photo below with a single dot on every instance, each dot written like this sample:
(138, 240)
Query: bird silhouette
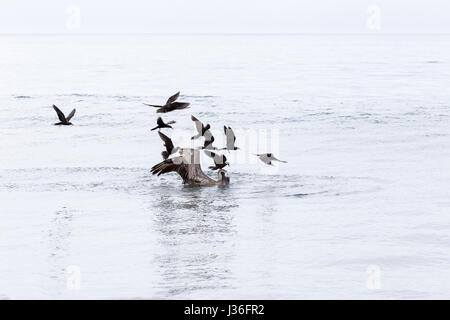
(63, 120)
(170, 105)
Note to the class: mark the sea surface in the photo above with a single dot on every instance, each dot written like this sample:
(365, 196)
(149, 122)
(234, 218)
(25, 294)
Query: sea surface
(360, 210)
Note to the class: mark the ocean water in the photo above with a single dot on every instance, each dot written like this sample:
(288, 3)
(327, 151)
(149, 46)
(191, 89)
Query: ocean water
(361, 209)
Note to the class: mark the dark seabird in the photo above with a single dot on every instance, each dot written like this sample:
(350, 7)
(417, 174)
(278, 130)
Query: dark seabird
(188, 167)
(220, 160)
(64, 121)
(267, 158)
(201, 129)
(160, 124)
(231, 139)
(170, 104)
(169, 146)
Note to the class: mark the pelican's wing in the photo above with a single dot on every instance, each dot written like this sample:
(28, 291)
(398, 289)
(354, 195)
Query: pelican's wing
(176, 164)
(173, 98)
(160, 121)
(198, 124)
(167, 141)
(70, 116)
(61, 115)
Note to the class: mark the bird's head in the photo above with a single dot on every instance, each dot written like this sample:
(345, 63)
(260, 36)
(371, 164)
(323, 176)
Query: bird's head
(207, 127)
(224, 178)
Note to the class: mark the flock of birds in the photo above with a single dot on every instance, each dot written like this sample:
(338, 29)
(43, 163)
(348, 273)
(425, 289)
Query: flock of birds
(187, 164)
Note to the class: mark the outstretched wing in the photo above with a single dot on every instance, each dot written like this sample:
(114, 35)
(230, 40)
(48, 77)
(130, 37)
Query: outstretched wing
(61, 115)
(208, 135)
(177, 106)
(160, 122)
(208, 142)
(198, 124)
(231, 138)
(216, 157)
(172, 165)
(152, 105)
(167, 141)
(70, 116)
(173, 98)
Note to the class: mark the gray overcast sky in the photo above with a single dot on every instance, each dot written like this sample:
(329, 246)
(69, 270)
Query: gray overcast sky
(225, 16)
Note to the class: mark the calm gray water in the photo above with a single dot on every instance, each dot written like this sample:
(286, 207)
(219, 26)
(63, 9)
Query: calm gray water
(363, 122)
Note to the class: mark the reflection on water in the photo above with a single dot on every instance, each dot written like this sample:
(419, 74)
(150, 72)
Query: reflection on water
(195, 229)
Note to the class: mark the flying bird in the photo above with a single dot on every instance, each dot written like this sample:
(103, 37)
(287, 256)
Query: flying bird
(169, 146)
(267, 158)
(188, 167)
(220, 161)
(231, 139)
(201, 129)
(170, 105)
(208, 143)
(160, 124)
(63, 120)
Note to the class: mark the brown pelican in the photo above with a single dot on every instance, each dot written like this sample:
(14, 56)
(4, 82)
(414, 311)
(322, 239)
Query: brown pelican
(188, 167)
(231, 139)
(160, 124)
(220, 161)
(64, 121)
(201, 129)
(267, 158)
(170, 104)
(169, 146)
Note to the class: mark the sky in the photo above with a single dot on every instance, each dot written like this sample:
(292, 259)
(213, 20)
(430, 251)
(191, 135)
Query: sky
(224, 16)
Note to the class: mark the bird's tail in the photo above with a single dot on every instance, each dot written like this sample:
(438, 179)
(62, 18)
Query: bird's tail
(152, 105)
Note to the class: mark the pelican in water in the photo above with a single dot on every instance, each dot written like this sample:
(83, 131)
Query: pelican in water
(187, 165)
(63, 120)
(170, 105)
